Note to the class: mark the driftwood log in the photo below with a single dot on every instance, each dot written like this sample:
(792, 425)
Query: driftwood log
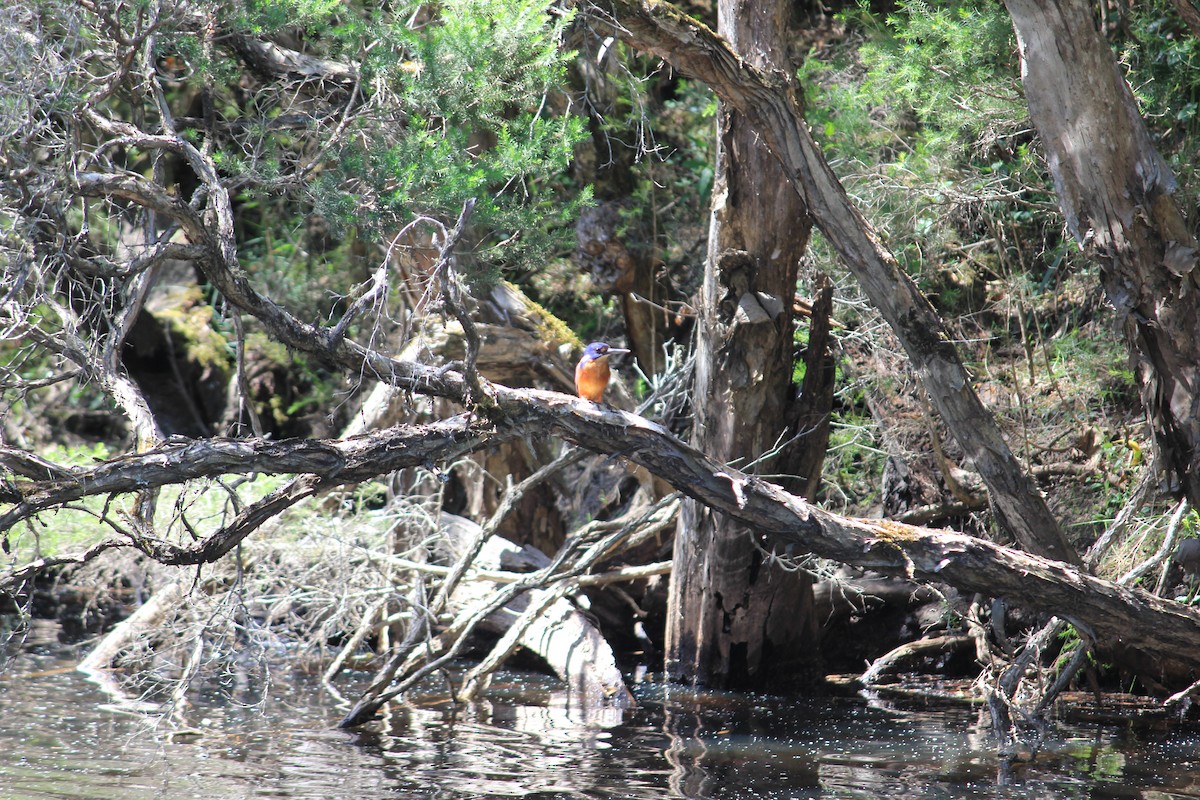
(560, 635)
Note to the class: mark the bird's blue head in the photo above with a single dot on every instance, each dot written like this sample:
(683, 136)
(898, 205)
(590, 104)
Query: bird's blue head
(598, 350)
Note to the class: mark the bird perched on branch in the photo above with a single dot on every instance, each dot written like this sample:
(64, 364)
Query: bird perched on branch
(592, 372)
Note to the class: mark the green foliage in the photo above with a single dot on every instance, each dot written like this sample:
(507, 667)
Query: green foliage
(459, 100)
(951, 65)
(464, 105)
(1162, 61)
(268, 16)
(800, 341)
(1096, 368)
(926, 123)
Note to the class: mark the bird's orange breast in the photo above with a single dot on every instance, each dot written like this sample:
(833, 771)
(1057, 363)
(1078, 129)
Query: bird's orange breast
(591, 379)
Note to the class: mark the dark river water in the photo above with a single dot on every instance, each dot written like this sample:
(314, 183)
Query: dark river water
(58, 739)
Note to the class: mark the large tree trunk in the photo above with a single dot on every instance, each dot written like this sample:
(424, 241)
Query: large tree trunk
(771, 105)
(1116, 192)
(735, 619)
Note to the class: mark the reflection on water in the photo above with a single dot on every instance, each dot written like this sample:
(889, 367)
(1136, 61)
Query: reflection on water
(526, 740)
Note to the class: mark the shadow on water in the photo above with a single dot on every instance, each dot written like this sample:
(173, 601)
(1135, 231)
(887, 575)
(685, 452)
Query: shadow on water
(59, 740)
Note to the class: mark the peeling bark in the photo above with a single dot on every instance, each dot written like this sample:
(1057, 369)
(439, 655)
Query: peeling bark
(1117, 193)
(737, 620)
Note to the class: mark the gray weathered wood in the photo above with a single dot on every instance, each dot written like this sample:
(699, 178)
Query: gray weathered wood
(560, 634)
(1117, 193)
(731, 607)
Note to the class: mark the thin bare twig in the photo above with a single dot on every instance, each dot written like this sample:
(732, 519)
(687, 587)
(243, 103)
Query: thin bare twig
(452, 298)
(511, 498)
(1165, 549)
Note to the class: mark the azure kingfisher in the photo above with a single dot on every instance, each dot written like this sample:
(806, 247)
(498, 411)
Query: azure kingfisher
(592, 372)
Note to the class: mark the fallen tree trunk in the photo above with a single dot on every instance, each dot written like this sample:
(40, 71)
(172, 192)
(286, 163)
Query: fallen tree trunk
(561, 635)
(1129, 624)
(1133, 626)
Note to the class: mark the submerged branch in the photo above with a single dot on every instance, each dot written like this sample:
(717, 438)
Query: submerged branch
(585, 661)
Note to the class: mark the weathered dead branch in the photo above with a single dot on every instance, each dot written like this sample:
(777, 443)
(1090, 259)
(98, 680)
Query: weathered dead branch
(1022, 691)
(1163, 553)
(1129, 620)
(467, 554)
(930, 645)
(1116, 531)
(544, 621)
(325, 464)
